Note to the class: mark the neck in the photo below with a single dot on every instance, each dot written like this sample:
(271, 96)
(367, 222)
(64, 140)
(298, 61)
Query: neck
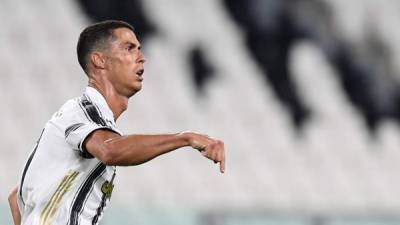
(117, 102)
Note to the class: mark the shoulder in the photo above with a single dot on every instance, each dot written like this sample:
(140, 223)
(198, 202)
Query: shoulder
(93, 110)
(80, 111)
(70, 111)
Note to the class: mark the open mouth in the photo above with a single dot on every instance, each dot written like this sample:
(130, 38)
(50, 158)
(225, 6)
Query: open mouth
(140, 72)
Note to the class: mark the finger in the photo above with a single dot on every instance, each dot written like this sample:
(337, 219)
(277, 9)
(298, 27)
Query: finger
(218, 156)
(222, 163)
(214, 156)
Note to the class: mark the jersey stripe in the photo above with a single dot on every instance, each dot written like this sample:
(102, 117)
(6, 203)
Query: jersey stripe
(93, 114)
(28, 163)
(80, 187)
(72, 128)
(84, 193)
(98, 110)
(103, 202)
(52, 205)
(100, 209)
(92, 111)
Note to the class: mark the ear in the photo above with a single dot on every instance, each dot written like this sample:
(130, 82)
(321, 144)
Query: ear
(98, 60)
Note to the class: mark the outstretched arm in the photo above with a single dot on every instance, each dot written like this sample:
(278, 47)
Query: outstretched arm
(128, 150)
(12, 200)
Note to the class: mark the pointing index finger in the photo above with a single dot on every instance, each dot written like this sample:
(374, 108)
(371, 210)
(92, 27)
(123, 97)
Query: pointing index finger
(222, 163)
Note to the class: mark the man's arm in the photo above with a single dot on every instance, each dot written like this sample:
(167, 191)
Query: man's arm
(128, 150)
(12, 200)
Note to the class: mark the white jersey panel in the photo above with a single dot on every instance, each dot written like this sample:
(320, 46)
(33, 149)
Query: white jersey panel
(62, 183)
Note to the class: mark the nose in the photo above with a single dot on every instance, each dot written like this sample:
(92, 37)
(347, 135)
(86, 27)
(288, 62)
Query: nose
(141, 58)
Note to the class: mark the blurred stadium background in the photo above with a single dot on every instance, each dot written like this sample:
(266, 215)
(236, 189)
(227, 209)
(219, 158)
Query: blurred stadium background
(305, 94)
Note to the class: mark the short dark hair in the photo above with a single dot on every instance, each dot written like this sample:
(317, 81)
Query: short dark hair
(97, 36)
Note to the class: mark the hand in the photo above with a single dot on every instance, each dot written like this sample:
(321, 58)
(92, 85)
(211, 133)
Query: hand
(210, 148)
(12, 200)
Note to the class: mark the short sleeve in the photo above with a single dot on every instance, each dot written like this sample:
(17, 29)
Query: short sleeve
(76, 134)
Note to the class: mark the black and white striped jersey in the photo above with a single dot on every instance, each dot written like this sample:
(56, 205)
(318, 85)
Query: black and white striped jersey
(61, 182)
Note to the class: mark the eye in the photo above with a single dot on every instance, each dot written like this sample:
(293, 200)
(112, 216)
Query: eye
(130, 47)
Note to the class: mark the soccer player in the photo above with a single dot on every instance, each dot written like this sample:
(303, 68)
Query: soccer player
(68, 178)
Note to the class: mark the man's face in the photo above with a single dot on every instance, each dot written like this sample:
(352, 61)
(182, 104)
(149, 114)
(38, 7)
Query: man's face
(125, 62)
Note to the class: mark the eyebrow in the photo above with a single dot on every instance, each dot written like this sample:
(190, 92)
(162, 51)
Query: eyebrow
(128, 43)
